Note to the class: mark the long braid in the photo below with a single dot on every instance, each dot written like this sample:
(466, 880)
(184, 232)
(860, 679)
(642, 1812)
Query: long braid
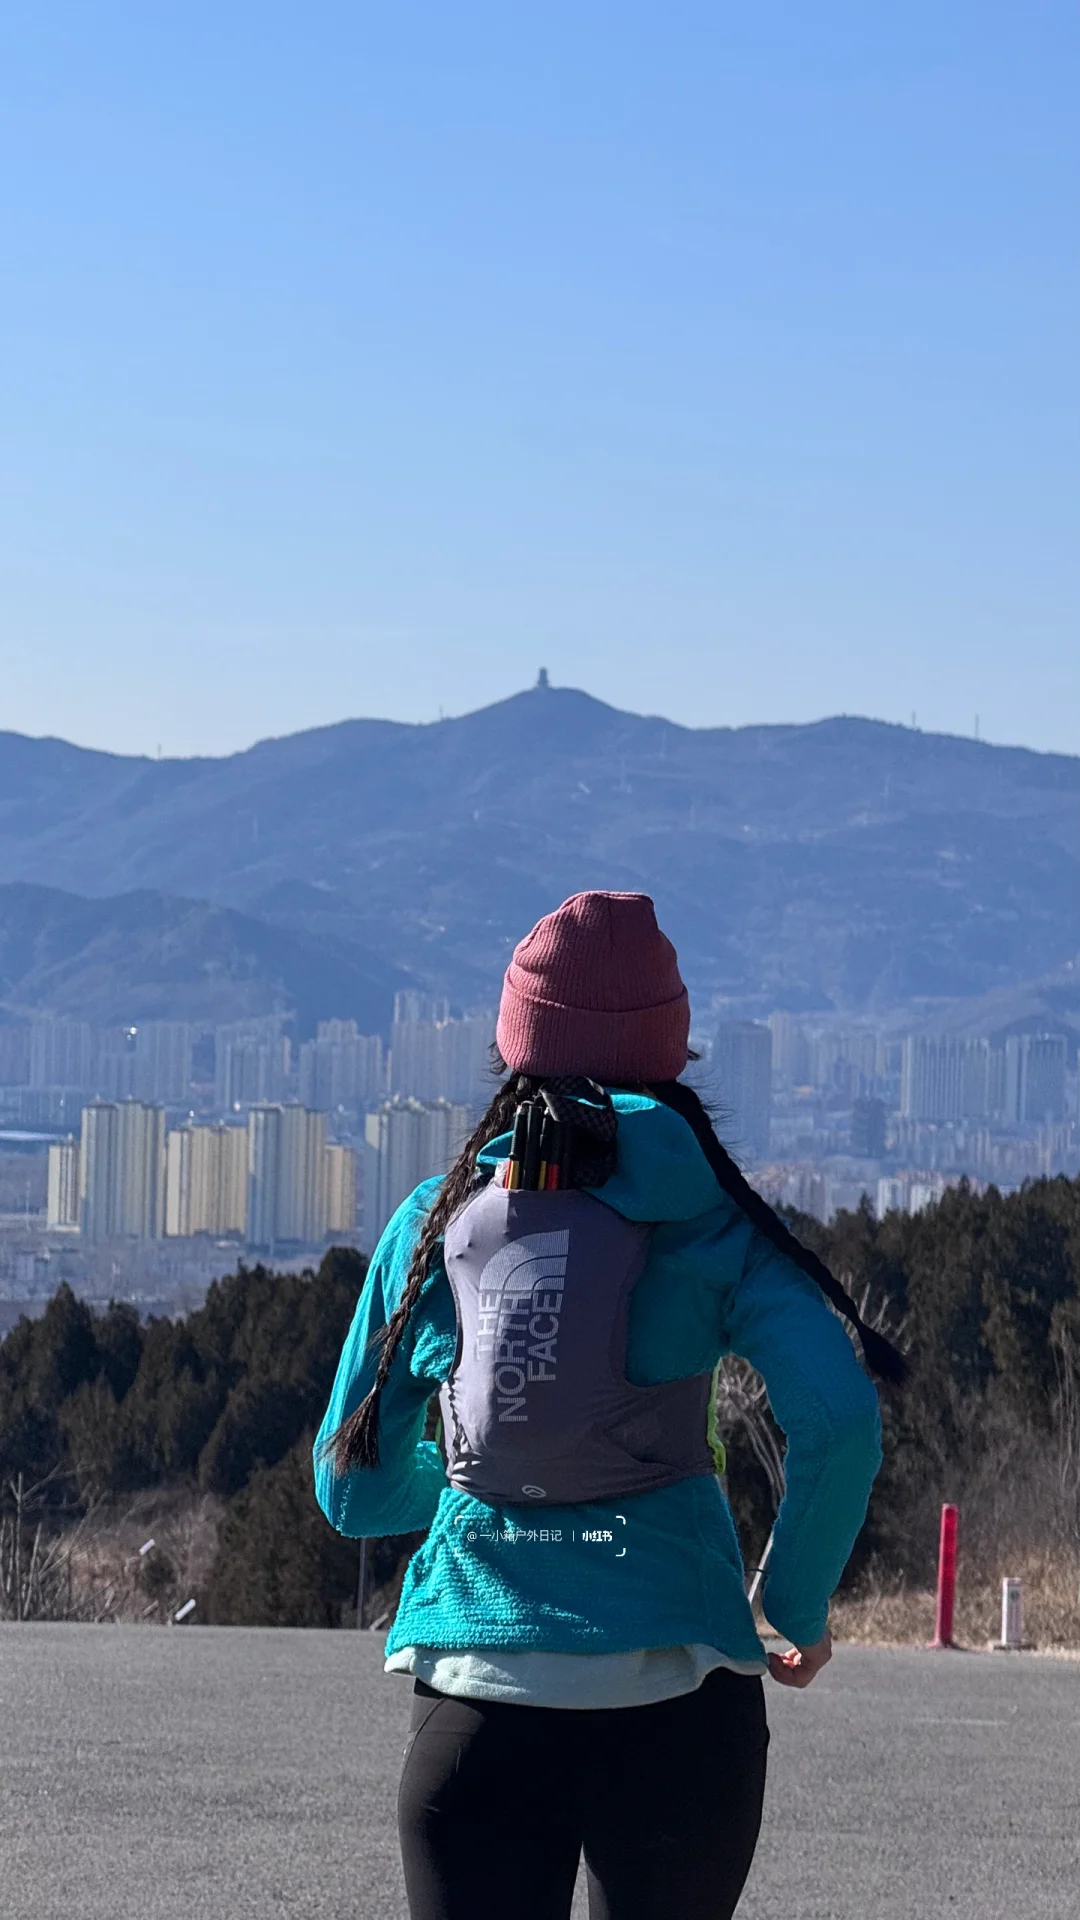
(355, 1443)
(880, 1354)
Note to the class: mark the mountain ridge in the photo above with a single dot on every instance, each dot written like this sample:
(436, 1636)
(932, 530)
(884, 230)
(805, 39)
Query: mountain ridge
(150, 956)
(848, 862)
(331, 727)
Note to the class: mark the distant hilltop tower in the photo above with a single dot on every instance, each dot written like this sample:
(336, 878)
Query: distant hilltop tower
(542, 678)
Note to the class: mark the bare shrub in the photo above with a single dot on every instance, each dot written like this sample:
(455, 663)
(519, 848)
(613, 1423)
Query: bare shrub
(742, 1409)
(92, 1569)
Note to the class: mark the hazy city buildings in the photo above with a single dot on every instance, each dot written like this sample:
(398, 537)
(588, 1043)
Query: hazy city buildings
(180, 1136)
(340, 1190)
(62, 1191)
(122, 1171)
(206, 1180)
(868, 1128)
(272, 1181)
(14, 1054)
(790, 1049)
(252, 1062)
(162, 1061)
(150, 1063)
(1021, 1083)
(435, 1057)
(286, 1176)
(946, 1079)
(406, 1141)
(48, 1066)
(62, 1054)
(342, 1068)
(1035, 1067)
(114, 1064)
(742, 1064)
(890, 1114)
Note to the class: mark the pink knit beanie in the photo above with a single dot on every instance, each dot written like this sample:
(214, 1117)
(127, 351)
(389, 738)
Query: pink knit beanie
(595, 989)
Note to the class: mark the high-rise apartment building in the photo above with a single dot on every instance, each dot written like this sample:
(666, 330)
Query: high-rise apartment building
(412, 1008)
(846, 1062)
(163, 1061)
(274, 1181)
(342, 1067)
(122, 1171)
(219, 1180)
(252, 1061)
(790, 1049)
(742, 1063)
(178, 1182)
(62, 1054)
(14, 1055)
(996, 1093)
(264, 1149)
(406, 1141)
(287, 1173)
(206, 1180)
(944, 1080)
(1035, 1068)
(98, 1172)
(434, 1057)
(114, 1065)
(465, 1060)
(140, 1138)
(340, 1189)
(302, 1176)
(414, 1066)
(62, 1194)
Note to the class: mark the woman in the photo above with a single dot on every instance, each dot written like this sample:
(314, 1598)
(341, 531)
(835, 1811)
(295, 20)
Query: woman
(587, 1676)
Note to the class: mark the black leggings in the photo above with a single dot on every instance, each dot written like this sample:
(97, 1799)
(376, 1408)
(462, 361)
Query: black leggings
(497, 1801)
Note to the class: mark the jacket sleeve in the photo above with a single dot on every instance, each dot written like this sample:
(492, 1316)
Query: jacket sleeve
(828, 1409)
(401, 1494)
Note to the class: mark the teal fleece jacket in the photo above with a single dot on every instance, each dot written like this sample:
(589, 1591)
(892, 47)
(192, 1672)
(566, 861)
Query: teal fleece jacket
(485, 1576)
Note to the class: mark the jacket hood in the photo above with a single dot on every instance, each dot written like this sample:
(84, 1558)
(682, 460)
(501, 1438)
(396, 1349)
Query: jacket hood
(662, 1173)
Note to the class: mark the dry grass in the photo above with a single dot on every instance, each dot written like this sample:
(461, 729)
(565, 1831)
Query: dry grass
(111, 1581)
(893, 1613)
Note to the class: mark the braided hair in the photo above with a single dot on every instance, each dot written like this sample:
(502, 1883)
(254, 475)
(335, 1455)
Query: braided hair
(355, 1443)
(882, 1358)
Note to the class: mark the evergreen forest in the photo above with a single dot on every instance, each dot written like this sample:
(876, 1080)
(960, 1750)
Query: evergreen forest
(196, 1433)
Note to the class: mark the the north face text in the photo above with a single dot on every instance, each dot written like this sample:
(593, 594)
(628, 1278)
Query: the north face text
(518, 1320)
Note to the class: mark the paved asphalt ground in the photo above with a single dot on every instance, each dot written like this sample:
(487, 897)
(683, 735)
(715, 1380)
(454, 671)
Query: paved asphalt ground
(232, 1774)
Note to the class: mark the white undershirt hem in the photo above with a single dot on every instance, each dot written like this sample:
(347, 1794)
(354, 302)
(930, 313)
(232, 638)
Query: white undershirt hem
(538, 1678)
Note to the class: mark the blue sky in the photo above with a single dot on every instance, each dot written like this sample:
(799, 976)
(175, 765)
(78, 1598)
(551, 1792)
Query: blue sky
(360, 360)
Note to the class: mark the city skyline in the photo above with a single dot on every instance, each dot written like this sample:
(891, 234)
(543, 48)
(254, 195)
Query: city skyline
(825, 1110)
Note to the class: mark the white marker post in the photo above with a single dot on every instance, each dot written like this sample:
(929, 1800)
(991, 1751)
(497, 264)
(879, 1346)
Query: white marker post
(1012, 1620)
(182, 1613)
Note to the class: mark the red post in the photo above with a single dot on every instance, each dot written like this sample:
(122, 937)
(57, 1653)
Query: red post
(946, 1582)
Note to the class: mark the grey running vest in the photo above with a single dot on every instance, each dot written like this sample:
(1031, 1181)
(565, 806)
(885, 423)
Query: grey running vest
(537, 1407)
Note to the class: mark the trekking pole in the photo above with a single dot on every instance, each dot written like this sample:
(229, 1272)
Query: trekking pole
(517, 1150)
(361, 1584)
(533, 1126)
(759, 1572)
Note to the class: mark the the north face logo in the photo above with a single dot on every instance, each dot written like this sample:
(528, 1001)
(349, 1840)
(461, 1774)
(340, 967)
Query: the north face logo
(519, 1303)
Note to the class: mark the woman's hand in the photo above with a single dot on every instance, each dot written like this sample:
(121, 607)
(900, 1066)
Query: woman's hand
(798, 1667)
